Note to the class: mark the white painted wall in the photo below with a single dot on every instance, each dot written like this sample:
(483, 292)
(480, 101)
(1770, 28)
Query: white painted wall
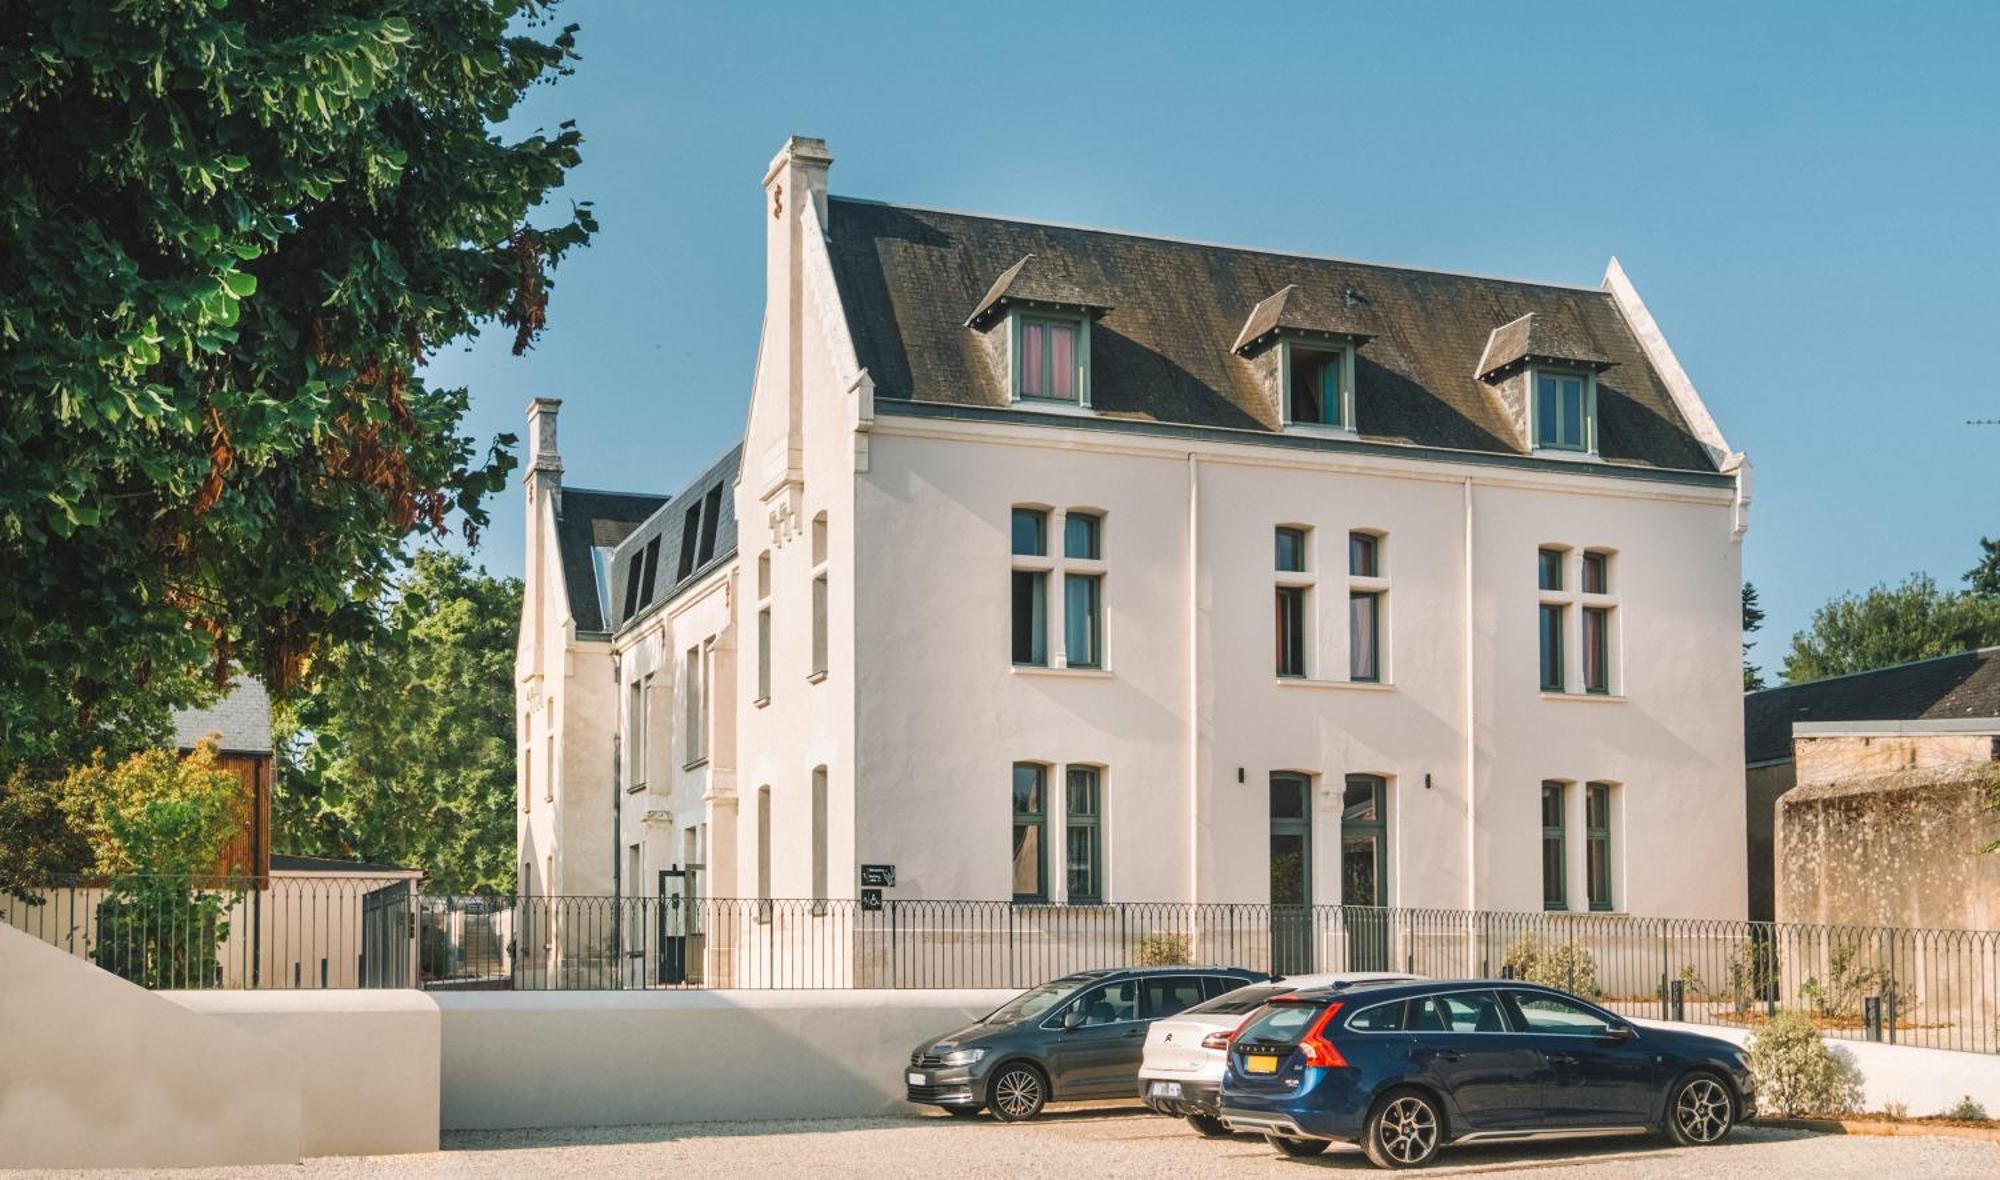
(367, 1061)
(580, 1059)
(96, 1072)
(1927, 1081)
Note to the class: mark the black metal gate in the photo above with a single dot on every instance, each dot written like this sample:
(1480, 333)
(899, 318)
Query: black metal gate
(386, 922)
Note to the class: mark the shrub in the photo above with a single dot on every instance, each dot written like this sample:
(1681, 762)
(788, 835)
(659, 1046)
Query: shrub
(1839, 998)
(1968, 1110)
(1796, 1072)
(1568, 965)
(1160, 949)
(1895, 1112)
(1753, 974)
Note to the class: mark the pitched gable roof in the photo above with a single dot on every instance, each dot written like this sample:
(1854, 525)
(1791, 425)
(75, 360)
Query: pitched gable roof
(664, 539)
(1163, 350)
(1538, 338)
(1293, 309)
(589, 520)
(1963, 685)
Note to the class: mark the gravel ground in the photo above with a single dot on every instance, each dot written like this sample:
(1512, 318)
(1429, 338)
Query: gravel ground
(1073, 1144)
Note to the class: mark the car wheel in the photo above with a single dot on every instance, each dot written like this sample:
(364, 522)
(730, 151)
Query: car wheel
(1403, 1131)
(1298, 1148)
(1019, 1093)
(1700, 1111)
(961, 1112)
(1208, 1126)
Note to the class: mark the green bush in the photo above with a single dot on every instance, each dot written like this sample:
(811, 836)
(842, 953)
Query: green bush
(1796, 1072)
(1753, 974)
(1968, 1110)
(1839, 997)
(1161, 949)
(1567, 965)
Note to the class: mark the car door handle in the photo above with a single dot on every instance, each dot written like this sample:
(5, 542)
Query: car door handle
(1137, 1032)
(1560, 1059)
(1436, 1055)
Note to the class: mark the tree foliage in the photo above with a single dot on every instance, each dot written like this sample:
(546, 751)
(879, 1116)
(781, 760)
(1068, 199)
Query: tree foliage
(1891, 625)
(232, 231)
(1753, 621)
(401, 748)
(1984, 578)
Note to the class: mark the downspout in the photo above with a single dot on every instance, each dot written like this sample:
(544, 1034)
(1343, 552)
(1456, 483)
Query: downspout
(1194, 678)
(617, 827)
(1471, 720)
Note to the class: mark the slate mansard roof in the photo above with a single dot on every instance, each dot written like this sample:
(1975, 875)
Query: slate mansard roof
(588, 520)
(1965, 685)
(691, 534)
(1172, 313)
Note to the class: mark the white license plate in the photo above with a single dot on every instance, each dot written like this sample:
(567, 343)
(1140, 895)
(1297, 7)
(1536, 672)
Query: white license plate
(1166, 1089)
(916, 1079)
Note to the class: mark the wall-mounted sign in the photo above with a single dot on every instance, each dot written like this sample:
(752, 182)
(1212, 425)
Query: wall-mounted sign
(871, 900)
(878, 876)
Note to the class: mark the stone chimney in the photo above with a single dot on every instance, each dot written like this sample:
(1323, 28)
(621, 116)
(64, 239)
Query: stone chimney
(541, 485)
(794, 183)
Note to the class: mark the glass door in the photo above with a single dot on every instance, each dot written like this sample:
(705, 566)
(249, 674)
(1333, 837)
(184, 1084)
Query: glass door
(1364, 884)
(1291, 874)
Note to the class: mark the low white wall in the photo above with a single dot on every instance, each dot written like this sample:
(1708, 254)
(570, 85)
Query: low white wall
(579, 1059)
(1927, 1081)
(96, 1072)
(368, 1062)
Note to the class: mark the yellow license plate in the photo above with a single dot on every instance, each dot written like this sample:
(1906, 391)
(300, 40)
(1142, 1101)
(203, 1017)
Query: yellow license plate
(1260, 1063)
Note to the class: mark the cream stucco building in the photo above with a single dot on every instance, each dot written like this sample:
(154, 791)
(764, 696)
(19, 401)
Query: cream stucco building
(1069, 566)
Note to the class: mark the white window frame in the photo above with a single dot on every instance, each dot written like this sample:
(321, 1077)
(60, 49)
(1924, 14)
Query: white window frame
(1081, 322)
(1345, 350)
(1376, 584)
(1588, 447)
(1575, 602)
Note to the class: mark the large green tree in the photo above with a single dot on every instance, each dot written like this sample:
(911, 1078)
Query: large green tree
(1984, 578)
(1891, 625)
(401, 746)
(1753, 621)
(231, 232)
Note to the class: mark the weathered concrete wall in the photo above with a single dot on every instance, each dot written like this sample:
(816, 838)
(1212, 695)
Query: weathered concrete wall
(1899, 849)
(582, 1059)
(1761, 787)
(368, 1061)
(1927, 1081)
(1848, 757)
(96, 1072)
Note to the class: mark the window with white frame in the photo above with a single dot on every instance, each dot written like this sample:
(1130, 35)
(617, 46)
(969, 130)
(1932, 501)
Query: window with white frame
(1598, 849)
(1367, 605)
(1083, 835)
(820, 839)
(1083, 589)
(1555, 846)
(819, 604)
(1030, 538)
(1565, 410)
(1051, 357)
(694, 705)
(1577, 621)
(637, 714)
(763, 854)
(763, 628)
(549, 753)
(1294, 591)
(1319, 384)
(1031, 826)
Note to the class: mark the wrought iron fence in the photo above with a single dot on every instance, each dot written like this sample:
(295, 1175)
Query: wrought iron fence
(1936, 988)
(230, 932)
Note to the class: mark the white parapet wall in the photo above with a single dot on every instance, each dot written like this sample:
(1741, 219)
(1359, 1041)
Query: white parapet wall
(581, 1059)
(369, 1061)
(96, 1072)
(1926, 1081)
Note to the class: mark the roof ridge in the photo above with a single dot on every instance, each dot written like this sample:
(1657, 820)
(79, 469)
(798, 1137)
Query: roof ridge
(1241, 249)
(1950, 655)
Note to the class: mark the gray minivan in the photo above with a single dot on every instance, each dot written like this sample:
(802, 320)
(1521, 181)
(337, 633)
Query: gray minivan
(1080, 1036)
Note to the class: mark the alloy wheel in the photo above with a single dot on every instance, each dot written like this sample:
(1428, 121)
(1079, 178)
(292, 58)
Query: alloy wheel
(1702, 1112)
(1408, 1130)
(1017, 1094)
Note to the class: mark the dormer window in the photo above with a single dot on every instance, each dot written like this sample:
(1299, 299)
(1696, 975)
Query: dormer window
(1565, 411)
(1051, 358)
(1319, 384)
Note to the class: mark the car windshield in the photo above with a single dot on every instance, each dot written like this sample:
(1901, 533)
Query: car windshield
(1035, 1002)
(1280, 1024)
(1243, 999)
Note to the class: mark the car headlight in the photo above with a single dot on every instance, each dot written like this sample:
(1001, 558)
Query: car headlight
(963, 1056)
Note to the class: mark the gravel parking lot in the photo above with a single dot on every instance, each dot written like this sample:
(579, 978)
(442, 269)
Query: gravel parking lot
(1073, 1144)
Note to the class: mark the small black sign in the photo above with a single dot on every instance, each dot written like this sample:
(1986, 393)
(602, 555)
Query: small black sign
(879, 876)
(871, 900)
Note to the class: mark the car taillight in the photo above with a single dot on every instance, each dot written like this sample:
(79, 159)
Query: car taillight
(1222, 1040)
(1320, 1053)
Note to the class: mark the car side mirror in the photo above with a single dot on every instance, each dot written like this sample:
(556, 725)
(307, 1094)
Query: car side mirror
(1618, 1032)
(1072, 1020)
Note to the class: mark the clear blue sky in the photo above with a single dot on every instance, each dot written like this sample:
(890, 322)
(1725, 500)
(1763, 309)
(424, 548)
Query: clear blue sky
(1806, 195)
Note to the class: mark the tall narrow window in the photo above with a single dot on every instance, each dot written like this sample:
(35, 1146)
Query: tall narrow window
(711, 511)
(1291, 551)
(764, 854)
(1596, 572)
(549, 753)
(1549, 568)
(1050, 364)
(1364, 843)
(1562, 411)
(690, 540)
(1597, 844)
(1364, 614)
(763, 654)
(819, 626)
(1030, 825)
(1596, 649)
(1083, 619)
(1555, 889)
(1083, 836)
(820, 838)
(694, 700)
(635, 737)
(1362, 555)
(1030, 588)
(1552, 647)
(1291, 630)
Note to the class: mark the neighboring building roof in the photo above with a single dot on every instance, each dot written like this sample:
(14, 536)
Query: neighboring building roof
(710, 498)
(1163, 352)
(1966, 684)
(589, 520)
(283, 863)
(1538, 338)
(241, 720)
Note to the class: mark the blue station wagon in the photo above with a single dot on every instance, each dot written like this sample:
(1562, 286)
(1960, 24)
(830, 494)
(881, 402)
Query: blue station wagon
(1405, 1069)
